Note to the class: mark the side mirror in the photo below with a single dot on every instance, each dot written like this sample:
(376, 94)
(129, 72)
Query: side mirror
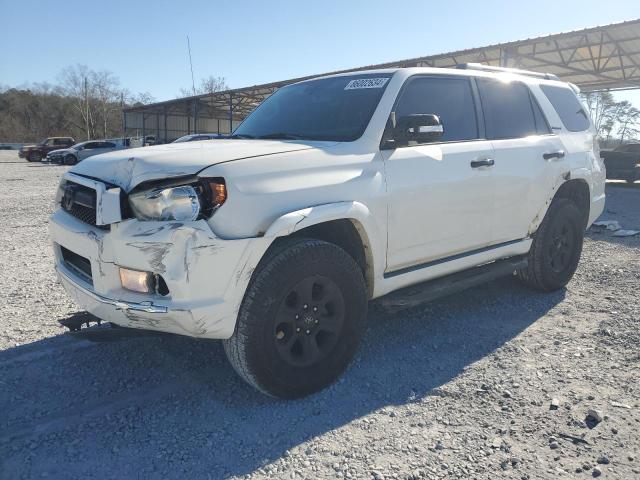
(418, 128)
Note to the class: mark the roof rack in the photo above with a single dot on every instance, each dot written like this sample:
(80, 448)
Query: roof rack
(516, 71)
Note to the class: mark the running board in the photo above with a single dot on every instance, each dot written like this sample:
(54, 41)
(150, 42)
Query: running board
(456, 282)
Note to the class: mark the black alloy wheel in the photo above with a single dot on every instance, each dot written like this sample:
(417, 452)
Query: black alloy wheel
(309, 321)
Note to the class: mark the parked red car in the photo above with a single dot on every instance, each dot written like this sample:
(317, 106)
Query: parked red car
(35, 153)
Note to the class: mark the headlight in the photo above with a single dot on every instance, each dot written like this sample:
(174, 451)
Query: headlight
(181, 202)
(174, 203)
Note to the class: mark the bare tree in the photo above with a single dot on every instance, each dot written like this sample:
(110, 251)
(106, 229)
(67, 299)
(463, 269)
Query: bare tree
(611, 117)
(106, 88)
(628, 122)
(213, 84)
(74, 82)
(209, 84)
(85, 104)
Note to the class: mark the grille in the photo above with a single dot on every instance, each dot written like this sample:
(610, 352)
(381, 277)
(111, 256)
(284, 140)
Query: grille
(80, 201)
(77, 263)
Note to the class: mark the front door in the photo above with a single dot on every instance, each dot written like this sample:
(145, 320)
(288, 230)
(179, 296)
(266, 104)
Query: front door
(440, 194)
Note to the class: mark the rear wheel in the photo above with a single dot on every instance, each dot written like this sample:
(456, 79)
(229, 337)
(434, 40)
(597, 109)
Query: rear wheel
(35, 157)
(301, 319)
(556, 248)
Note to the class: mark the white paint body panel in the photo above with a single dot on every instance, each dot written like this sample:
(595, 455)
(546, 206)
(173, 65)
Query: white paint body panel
(412, 206)
(438, 205)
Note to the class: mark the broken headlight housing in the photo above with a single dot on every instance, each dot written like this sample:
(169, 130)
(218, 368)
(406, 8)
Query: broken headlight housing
(178, 200)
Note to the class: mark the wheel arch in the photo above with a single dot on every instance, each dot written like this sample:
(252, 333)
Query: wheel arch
(350, 225)
(575, 189)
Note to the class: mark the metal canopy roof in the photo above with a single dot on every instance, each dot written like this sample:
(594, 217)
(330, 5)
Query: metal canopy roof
(599, 58)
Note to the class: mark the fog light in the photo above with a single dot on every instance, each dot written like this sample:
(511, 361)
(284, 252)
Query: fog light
(136, 281)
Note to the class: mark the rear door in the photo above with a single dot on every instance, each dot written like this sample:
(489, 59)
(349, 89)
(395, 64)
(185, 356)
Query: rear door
(528, 157)
(439, 203)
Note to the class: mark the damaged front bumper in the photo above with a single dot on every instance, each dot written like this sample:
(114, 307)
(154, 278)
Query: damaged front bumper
(206, 276)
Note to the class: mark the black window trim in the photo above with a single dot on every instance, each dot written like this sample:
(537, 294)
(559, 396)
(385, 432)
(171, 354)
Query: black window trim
(479, 119)
(534, 103)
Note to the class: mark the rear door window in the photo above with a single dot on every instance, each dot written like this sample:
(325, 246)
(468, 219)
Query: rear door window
(451, 99)
(508, 109)
(568, 107)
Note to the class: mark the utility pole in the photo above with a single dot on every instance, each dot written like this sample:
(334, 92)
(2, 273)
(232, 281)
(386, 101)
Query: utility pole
(193, 82)
(86, 103)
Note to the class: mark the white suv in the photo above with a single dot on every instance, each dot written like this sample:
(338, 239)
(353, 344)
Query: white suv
(334, 191)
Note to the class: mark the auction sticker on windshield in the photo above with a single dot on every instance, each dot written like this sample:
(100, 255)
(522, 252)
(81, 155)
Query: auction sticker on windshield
(366, 83)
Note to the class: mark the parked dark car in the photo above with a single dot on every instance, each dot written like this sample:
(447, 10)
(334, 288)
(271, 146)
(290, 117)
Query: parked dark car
(35, 153)
(195, 137)
(623, 163)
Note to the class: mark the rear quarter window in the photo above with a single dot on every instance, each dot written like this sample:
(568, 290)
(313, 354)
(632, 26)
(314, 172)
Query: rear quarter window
(568, 107)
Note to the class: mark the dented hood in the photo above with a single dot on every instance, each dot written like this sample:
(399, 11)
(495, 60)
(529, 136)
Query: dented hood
(128, 168)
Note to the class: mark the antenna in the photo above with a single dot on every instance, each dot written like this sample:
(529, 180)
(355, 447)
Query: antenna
(193, 82)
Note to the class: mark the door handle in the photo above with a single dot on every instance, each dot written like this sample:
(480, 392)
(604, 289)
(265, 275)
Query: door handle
(551, 155)
(484, 162)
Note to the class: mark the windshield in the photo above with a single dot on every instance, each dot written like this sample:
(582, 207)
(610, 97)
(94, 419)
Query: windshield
(334, 109)
(78, 146)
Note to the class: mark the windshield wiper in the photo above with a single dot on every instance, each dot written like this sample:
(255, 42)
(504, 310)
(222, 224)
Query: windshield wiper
(282, 136)
(241, 135)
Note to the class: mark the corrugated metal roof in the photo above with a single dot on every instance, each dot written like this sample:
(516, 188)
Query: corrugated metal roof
(596, 58)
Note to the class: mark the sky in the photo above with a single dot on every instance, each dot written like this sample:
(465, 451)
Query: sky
(251, 42)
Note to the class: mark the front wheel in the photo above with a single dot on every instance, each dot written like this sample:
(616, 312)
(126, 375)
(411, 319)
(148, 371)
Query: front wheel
(35, 157)
(301, 319)
(556, 248)
(70, 160)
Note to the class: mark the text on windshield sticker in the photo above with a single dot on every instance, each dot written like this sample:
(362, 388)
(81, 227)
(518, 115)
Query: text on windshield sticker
(366, 83)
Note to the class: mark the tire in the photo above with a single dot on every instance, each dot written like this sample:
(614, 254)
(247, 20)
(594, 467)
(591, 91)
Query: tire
(70, 160)
(284, 349)
(556, 248)
(35, 157)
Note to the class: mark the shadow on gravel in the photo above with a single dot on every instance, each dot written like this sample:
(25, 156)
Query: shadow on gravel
(172, 407)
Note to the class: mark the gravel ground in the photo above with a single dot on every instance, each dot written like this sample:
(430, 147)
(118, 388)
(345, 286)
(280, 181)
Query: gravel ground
(495, 382)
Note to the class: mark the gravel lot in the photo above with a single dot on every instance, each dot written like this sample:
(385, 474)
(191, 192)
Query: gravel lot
(494, 382)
